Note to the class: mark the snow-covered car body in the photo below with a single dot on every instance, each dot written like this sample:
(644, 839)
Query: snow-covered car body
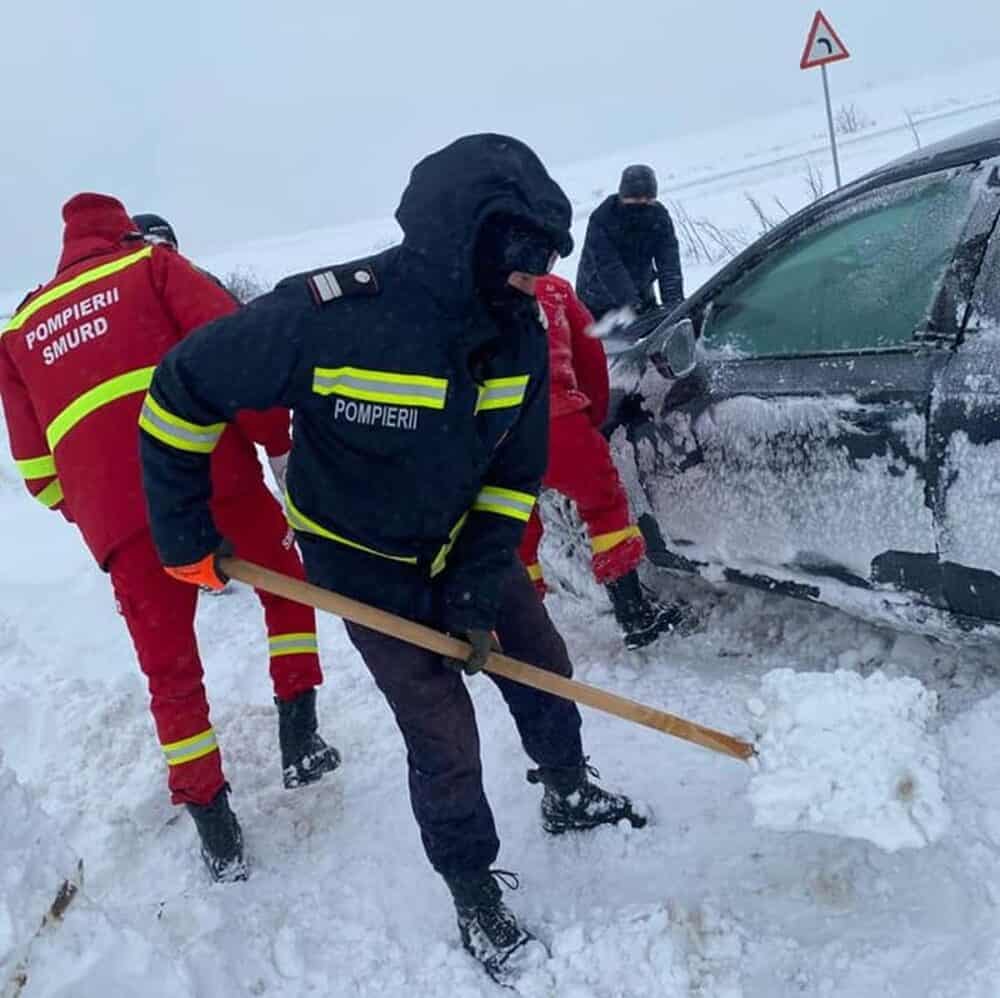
(839, 438)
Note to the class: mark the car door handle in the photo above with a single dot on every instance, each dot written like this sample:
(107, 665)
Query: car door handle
(872, 419)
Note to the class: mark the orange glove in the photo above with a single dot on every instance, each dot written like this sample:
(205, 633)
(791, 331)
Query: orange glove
(205, 572)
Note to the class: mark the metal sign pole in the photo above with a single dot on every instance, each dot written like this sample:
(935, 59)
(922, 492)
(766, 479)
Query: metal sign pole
(829, 121)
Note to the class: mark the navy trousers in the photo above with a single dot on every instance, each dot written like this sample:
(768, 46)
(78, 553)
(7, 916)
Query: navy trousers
(435, 715)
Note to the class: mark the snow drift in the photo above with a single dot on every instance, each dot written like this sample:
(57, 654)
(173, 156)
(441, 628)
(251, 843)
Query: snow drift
(844, 755)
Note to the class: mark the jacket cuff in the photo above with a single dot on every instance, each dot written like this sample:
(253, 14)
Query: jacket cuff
(184, 540)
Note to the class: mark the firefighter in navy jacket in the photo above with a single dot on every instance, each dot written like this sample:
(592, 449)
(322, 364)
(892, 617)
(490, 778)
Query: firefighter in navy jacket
(419, 384)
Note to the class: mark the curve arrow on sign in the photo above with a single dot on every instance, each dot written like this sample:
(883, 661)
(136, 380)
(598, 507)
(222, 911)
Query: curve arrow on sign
(823, 45)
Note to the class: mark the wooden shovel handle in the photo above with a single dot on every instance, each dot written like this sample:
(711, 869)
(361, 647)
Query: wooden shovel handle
(501, 665)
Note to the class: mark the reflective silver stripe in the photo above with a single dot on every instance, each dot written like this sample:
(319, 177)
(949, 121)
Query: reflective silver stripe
(506, 502)
(374, 385)
(292, 644)
(190, 749)
(502, 393)
(512, 393)
(381, 386)
(170, 432)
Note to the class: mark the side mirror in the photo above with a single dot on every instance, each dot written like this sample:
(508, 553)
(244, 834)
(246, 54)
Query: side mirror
(672, 348)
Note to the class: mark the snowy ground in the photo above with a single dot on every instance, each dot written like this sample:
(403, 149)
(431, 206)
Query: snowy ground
(341, 901)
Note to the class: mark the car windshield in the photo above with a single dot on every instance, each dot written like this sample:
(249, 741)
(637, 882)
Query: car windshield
(864, 277)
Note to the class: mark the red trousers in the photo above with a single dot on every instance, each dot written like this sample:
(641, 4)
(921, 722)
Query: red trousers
(580, 467)
(160, 612)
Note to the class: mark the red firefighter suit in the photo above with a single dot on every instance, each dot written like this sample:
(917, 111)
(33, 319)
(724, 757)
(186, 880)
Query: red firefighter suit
(580, 464)
(75, 362)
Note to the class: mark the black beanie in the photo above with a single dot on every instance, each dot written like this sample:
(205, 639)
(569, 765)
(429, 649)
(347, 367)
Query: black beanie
(155, 226)
(638, 181)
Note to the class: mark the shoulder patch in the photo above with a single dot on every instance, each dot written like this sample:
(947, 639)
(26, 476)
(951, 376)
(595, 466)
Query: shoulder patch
(352, 281)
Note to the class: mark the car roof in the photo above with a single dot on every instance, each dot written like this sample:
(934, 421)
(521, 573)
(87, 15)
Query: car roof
(965, 147)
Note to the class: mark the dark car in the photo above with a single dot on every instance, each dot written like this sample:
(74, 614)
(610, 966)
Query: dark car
(839, 437)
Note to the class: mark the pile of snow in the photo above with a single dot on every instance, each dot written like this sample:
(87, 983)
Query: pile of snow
(844, 755)
(54, 941)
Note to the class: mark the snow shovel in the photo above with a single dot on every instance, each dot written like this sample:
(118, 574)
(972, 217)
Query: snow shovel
(500, 665)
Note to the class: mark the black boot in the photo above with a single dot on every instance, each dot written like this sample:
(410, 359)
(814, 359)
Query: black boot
(221, 838)
(305, 757)
(572, 803)
(489, 929)
(640, 615)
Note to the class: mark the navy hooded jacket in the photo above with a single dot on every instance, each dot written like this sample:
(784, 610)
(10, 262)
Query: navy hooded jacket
(626, 248)
(420, 423)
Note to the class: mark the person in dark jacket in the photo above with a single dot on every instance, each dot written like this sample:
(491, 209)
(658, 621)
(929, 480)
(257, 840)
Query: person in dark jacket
(419, 384)
(629, 246)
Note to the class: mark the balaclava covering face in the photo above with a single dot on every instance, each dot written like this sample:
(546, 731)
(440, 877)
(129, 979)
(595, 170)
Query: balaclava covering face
(507, 244)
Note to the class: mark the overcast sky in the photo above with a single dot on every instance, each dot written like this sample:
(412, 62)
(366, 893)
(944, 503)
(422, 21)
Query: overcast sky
(244, 118)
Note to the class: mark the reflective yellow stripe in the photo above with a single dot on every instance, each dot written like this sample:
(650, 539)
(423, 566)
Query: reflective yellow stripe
(505, 502)
(441, 559)
(37, 467)
(299, 521)
(189, 749)
(300, 643)
(605, 542)
(502, 393)
(99, 396)
(535, 572)
(67, 287)
(381, 386)
(51, 494)
(176, 432)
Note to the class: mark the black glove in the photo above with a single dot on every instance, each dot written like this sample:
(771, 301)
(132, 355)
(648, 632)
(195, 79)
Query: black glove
(483, 642)
(631, 409)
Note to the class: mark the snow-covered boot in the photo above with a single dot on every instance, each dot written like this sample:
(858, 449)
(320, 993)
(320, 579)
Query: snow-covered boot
(573, 803)
(221, 838)
(305, 757)
(640, 615)
(490, 930)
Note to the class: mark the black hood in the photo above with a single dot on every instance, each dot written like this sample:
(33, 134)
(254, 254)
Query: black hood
(453, 191)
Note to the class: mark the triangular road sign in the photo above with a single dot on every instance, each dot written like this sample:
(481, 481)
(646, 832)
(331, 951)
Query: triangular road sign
(823, 44)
